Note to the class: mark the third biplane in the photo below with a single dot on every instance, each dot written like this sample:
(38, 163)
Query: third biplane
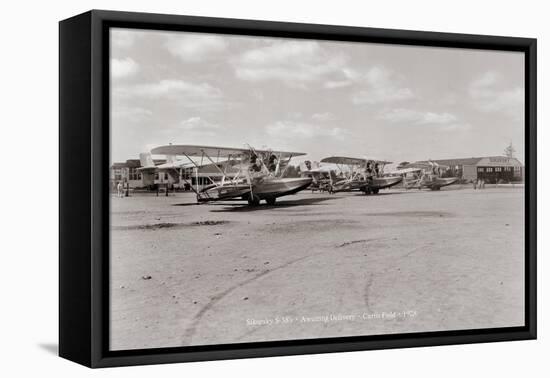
(321, 176)
(424, 174)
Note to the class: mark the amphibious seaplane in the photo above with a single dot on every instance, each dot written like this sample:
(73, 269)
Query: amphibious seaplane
(361, 174)
(424, 175)
(321, 176)
(249, 174)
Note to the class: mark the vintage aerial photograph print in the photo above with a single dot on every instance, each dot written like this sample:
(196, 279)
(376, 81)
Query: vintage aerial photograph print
(269, 189)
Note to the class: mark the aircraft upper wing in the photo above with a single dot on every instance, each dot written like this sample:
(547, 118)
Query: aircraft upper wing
(213, 151)
(343, 160)
(350, 160)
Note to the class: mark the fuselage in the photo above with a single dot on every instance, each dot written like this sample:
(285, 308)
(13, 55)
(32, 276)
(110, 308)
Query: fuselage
(367, 185)
(261, 188)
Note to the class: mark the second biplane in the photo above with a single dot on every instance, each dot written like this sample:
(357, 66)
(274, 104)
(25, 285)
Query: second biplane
(361, 174)
(244, 173)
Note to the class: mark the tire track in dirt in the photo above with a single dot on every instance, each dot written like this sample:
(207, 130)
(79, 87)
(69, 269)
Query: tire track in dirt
(190, 331)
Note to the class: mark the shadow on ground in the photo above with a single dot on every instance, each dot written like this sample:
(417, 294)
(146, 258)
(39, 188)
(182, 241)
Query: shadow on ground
(243, 207)
(51, 348)
(186, 204)
(361, 194)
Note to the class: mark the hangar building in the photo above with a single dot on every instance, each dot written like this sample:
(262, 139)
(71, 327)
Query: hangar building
(128, 173)
(492, 169)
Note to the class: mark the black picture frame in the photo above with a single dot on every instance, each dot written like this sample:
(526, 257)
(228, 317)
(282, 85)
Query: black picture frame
(84, 198)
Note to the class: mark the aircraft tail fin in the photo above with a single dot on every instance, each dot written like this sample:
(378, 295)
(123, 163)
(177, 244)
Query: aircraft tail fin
(146, 160)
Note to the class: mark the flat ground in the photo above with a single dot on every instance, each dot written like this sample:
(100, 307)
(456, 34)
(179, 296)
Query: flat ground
(314, 265)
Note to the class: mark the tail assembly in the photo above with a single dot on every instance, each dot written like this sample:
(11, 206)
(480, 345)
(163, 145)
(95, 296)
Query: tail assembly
(171, 159)
(146, 160)
(147, 169)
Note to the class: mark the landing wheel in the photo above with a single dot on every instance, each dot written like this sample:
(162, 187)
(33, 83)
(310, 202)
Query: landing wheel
(367, 191)
(253, 200)
(375, 191)
(271, 201)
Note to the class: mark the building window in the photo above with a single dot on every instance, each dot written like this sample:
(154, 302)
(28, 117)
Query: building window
(489, 169)
(480, 169)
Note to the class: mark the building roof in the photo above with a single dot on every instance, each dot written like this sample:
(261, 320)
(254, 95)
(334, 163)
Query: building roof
(135, 163)
(459, 161)
(118, 165)
(485, 161)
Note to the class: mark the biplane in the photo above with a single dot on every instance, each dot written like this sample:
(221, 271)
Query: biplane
(361, 174)
(321, 177)
(244, 173)
(424, 175)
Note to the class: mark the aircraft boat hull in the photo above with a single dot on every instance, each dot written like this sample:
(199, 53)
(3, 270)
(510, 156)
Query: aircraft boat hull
(440, 182)
(278, 187)
(385, 182)
(433, 184)
(266, 188)
(348, 186)
(372, 186)
(222, 192)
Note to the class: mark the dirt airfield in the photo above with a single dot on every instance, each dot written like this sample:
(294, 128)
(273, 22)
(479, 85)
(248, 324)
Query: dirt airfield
(314, 265)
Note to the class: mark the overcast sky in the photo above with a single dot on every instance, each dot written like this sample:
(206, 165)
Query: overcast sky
(325, 98)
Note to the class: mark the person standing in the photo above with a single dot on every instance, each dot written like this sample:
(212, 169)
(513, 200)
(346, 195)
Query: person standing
(119, 190)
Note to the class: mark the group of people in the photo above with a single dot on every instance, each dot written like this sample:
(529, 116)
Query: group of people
(372, 171)
(479, 184)
(256, 163)
(120, 190)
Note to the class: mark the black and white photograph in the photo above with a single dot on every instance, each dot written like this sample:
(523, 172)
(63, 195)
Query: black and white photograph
(272, 189)
(275, 189)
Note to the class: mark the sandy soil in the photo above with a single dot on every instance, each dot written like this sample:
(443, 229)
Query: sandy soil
(314, 265)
